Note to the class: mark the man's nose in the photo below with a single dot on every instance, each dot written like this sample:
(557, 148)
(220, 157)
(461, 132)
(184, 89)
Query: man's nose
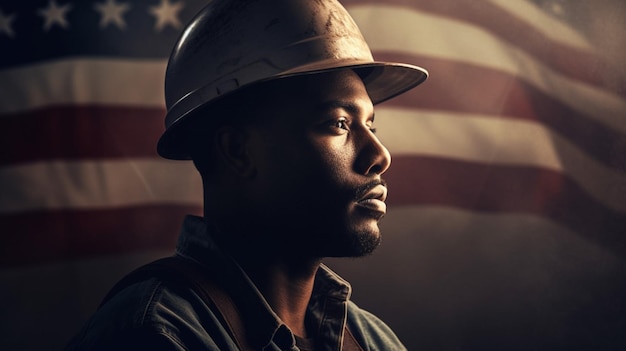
(373, 158)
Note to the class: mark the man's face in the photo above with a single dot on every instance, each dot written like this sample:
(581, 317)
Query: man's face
(319, 164)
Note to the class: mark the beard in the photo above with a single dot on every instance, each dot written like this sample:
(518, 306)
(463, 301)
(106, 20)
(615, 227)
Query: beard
(357, 238)
(330, 228)
(357, 244)
(311, 226)
(323, 239)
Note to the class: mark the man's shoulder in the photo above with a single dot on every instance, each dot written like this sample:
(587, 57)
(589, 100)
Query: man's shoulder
(153, 310)
(371, 330)
(148, 302)
(131, 311)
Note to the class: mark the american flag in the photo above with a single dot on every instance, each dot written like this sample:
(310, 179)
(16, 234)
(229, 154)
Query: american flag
(507, 219)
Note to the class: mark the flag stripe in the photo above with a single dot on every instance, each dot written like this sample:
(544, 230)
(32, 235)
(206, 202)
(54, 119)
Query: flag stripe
(526, 17)
(458, 86)
(449, 222)
(503, 97)
(501, 17)
(498, 142)
(490, 188)
(97, 184)
(114, 81)
(86, 233)
(130, 172)
(408, 222)
(81, 131)
(459, 47)
(75, 132)
(438, 28)
(435, 181)
(69, 234)
(499, 96)
(83, 81)
(112, 183)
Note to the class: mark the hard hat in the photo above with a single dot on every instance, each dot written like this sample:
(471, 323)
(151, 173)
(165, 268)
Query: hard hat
(231, 44)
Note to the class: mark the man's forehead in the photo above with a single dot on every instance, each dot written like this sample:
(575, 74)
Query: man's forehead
(355, 107)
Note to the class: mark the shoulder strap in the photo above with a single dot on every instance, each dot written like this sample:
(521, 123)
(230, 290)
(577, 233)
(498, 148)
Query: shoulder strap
(197, 277)
(349, 342)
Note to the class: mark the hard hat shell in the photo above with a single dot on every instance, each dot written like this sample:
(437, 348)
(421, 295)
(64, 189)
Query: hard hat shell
(232, 44)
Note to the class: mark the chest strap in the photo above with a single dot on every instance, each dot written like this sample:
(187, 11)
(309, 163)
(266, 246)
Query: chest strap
(197, 277)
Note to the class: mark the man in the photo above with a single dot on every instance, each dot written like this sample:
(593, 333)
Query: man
(273, 101)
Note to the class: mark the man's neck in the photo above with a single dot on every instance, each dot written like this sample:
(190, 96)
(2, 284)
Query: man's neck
(285, 281)
(287, 285)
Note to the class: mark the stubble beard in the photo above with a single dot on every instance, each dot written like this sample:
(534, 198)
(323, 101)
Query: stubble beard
(307, 242)
(347, 243)
(359, 244)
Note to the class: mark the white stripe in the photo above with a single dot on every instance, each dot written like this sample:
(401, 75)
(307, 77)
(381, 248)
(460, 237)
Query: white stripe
(497, 141)
(468, 137)
(98, 184)
(83, 81)
(549, 26)
(397, 29)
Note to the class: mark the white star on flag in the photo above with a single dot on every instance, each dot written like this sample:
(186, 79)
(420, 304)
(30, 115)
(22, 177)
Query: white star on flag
(112, 13)
(55, 15)
(167, 13)
(5, 24)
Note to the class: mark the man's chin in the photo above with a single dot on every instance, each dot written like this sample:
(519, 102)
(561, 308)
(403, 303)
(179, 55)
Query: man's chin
(356, 239)
(366, 244)
(357, 244)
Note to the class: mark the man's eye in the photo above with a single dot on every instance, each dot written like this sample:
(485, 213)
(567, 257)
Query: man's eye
(341, 123)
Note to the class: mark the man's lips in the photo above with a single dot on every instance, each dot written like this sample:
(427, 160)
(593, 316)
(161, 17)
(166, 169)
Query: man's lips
(374, 199)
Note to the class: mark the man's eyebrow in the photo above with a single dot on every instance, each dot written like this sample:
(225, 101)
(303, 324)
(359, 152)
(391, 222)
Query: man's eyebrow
(342, 104)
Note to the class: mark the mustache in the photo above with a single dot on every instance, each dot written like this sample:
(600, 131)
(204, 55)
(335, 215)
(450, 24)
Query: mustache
(362, 190)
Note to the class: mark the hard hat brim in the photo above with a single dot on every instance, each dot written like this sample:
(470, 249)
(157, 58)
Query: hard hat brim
(382, 80)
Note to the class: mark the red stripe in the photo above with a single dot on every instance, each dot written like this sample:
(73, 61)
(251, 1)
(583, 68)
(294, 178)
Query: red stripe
(36, 237)
(464, 88)
(505, 189)
(72, 132)
(575, 63)
(68, 234)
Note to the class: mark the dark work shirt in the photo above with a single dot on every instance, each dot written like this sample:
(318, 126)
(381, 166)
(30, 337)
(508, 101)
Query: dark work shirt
(159, 315)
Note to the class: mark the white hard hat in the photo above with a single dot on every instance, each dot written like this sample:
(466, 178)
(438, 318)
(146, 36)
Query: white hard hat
(231, 44)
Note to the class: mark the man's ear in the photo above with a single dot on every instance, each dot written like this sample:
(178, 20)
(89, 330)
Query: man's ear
(232, 147)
